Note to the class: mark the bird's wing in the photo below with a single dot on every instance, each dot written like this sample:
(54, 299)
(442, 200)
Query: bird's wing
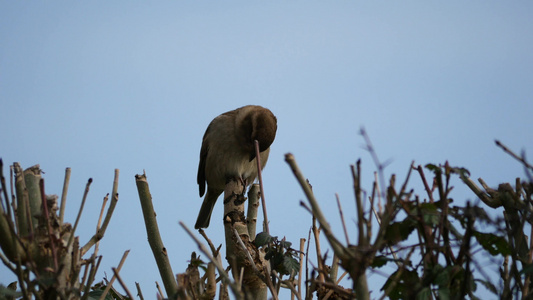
(201, 165)
(205, 148)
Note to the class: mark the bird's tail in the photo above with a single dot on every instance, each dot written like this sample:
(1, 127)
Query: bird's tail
(204, 216)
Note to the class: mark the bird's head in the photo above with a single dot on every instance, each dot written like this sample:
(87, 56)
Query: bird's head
(263, 129)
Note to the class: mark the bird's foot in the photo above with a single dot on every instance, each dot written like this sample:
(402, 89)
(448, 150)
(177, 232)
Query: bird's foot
(239, 179)
(244, 183)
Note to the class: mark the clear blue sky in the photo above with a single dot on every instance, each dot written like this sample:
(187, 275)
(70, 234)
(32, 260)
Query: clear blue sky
(98, 85)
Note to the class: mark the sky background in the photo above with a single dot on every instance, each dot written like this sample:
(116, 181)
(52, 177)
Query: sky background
(99, 85)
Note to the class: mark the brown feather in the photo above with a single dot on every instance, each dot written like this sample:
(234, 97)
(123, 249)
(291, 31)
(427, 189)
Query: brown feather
(228, 152)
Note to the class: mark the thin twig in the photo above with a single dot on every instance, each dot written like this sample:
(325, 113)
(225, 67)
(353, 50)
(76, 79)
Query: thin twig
(51, 236)
(369, 222)
(380, 207)
(404, 186)
(378, 218)
(246, 252)
(110, 283)
(4, 190)
(379, 165)
(209, 243)
(307, 281)
(254, 267)
(302, 245)
(64, 195)
(13, 198)
(359, 203)
(290, 286)
(7, 263)
(316, 234)
(159, 290)
(334, 267)
(342, 219)
(260, 176)
(71, 239)
(139, 292)
(117, 275)
(100, 234)
(92, 274)
(100, 222)
(508, 151)
(426, 186)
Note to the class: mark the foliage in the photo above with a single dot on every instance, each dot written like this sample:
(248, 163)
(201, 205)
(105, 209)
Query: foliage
(40, 248)
(282, 257)
(437, 247)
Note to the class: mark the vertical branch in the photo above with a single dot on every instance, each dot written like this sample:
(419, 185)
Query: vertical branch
(302, 245)
(251, 214)
(64, 195)
(114, 200)
(359, 203)
(372, 208)
(98, 225)
(238, 249)
(8, 241)
(527, 279)
(139, 292)
(465, 250)
(308, 292)
(379, 165)
(426, 186)
(320, 261)
(5, 209)
(51, 236)
(92, 272)
(23, 211)
(85, 193)
(260, 176)
(342, 220)
(154, 238)
(100, 233)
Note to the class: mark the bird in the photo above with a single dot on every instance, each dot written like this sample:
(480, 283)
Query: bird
(228, 153)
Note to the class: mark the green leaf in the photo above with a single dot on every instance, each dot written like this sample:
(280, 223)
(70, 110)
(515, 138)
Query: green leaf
(405, 286)
(442, 277)
(425, 293)
(432, 167)
(269, 254)
(262, 239)
(444, 293)
(290, 265)
(489, 286)
(399, 231)
(95, 295)
(380, 261)
(527, 269)
(430, 213)
(492, 243)
(285, 244)
(462, 172)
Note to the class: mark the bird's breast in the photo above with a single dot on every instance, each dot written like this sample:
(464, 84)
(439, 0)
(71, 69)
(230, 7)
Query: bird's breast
(231, 162)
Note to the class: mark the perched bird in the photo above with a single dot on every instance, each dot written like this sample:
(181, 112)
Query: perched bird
(228, 152)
